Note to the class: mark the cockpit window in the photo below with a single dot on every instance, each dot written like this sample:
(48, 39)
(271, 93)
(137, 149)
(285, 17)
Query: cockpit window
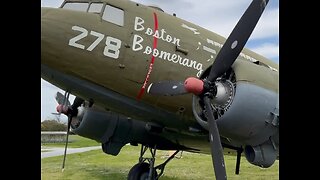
(76, 6)
(113, 15)
(95, 7)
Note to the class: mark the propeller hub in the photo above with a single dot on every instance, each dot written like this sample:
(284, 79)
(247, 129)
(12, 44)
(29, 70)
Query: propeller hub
(62, 109)
(193, 85)
(225, 92)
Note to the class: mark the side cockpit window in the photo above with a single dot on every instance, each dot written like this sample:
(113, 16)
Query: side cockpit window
(113, 15)
(95, 8)
(76, 6)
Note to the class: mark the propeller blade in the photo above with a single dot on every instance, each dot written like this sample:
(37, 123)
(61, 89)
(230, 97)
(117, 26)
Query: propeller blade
(225, 58)
(237, 39)
(172, 88)
(167, 88)
(66, 146)
(77, 103)
(61, 99)
(72, 113)
(215, 143)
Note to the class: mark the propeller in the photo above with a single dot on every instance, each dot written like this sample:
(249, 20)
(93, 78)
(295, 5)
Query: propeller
(69, 110)
(62, 99)
(237, 39)
(167, 88)
(206, 89)
(215, 142)
(67, 139)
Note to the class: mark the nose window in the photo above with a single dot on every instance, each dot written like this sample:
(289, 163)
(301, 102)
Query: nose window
(95, 8)
(113, 15)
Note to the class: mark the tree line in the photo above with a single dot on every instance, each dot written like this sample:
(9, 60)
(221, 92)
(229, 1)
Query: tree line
(53, 125)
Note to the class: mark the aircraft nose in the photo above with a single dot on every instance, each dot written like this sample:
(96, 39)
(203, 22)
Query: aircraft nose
(46, 31)
(52, 37)
(44, 11)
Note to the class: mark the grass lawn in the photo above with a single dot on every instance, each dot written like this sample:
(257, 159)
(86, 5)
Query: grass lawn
(97, 165)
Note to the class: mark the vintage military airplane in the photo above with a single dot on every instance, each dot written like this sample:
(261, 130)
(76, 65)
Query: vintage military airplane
(142, 76)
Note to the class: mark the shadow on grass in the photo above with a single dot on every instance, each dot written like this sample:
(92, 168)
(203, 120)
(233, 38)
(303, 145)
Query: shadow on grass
(109, 173)
(97, 165)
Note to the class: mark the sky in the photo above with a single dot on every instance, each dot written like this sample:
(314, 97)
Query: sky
(219, 16)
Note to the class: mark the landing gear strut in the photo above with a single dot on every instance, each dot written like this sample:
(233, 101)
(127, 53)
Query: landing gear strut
(145, 169)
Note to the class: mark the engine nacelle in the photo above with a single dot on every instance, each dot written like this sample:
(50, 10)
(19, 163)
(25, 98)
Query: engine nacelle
(245, 112)
(262, 155)
(114, 131)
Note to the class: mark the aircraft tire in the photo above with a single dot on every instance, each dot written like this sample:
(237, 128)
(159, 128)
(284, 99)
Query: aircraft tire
(139, 171)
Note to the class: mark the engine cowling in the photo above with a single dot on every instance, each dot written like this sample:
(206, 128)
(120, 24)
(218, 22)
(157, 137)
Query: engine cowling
(262, 155)
(245, 111)
(115, 130)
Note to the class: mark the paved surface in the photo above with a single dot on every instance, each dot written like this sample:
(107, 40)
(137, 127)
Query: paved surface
(59, 151)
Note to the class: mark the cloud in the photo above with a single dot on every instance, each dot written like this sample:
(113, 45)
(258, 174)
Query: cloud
(267, 49)
(219, 16)
(268, 26)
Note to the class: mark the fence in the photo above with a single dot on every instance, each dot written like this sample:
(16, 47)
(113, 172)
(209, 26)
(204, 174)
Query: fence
(53, 136)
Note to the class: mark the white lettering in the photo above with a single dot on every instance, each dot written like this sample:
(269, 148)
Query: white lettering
(155, 52)
(199, 66)
(180, 59)
(217, 44)
(185, 62)
(136, 42)
(168, 38)
(165, 54)
(156, 34)
(173, 57)
(161, 34)
(149, 31)
(209, 50)
(199, 73)
(148, 50)
(73, 41)
(193, 63)
(111, 48)
(97, 41)
(194, 30)
(138, 24)
(176, 41)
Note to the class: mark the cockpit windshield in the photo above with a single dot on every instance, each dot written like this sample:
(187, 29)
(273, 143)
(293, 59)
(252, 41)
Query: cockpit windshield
(77, 6)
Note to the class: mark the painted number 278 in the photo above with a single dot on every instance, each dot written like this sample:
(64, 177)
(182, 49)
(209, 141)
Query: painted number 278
(111, 48)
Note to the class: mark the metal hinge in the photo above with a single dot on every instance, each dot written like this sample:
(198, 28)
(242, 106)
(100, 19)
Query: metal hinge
(273, 118)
